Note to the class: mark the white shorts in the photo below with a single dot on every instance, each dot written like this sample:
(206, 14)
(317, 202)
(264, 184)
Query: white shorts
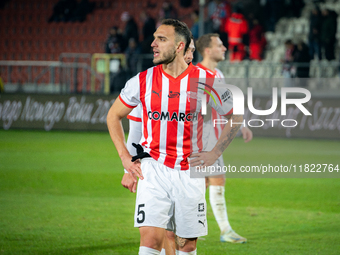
(170, 199)
(217, 168)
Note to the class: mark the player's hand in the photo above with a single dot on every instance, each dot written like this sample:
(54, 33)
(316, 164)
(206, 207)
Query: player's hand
(129, 182)
(133, 168)
(202, 159)
(247, 134)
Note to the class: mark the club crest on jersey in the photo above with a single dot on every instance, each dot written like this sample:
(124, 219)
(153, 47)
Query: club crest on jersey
(201, 207)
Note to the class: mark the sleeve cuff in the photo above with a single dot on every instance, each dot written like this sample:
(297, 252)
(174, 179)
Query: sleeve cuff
(127, 105)
(137, 119)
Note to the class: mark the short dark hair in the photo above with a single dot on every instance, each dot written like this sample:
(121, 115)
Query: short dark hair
(181, 29)
(204, 42)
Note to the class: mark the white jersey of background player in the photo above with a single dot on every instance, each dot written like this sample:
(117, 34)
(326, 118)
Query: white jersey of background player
(213, 51)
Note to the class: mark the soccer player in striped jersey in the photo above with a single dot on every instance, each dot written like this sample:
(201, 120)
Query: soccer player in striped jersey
(135, 134)
(167, 198)
(213, 51)
(135, 126)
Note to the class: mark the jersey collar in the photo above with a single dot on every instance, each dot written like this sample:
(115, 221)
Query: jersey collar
(207, 69)
(190, 66)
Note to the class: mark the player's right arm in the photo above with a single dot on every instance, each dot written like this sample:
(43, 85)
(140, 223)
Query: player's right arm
(135, 134)
(129, 182)
(117, 112)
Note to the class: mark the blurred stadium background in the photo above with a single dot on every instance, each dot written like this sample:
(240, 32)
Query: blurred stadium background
(61, 195)
(59, 64)
(38, 55)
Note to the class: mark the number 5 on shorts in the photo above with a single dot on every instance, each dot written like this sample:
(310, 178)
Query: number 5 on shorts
(140, 212)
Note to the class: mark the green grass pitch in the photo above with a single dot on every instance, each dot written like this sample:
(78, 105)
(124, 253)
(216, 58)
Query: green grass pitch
(60, 193)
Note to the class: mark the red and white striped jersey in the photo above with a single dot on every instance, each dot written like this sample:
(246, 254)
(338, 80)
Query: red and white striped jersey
(217, 128)
(172, 124)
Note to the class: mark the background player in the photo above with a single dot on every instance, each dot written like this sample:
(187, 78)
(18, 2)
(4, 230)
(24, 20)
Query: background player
(154, 208)
(213, 51)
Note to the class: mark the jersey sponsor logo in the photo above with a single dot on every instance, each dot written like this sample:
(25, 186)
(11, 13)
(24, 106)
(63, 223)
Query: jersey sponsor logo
(155, 92)
(173, 94)
(226, 95)
(174, 116)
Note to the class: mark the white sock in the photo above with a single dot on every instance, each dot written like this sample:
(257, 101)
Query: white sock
(162, 252)
(186, 253)
(143, 250)
(219, 207)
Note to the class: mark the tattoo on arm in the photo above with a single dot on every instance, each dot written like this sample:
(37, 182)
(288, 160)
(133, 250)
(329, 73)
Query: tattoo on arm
(230, 136)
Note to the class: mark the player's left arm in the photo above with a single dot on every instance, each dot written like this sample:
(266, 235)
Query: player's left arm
(247, 134)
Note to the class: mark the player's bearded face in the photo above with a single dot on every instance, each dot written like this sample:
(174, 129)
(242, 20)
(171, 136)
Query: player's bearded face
(166, 57)
(164, 45)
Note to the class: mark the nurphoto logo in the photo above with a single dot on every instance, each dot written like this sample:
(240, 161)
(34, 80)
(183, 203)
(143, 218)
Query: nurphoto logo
(238, 105)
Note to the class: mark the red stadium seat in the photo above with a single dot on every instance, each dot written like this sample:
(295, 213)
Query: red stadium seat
(3, 55)
(35, 55)
(11, 55)
(28, 35)
(4, 45)
(77, 29)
